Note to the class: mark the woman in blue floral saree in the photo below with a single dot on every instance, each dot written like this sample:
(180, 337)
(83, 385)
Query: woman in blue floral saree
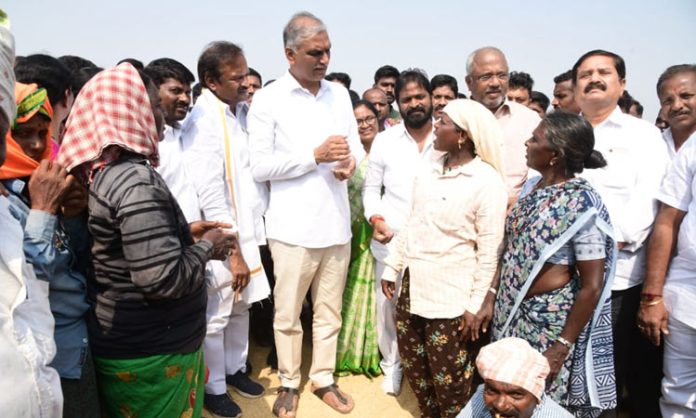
(558, 266)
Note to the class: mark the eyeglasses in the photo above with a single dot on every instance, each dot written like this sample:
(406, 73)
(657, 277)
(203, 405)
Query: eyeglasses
(367, 121)
(489, 76)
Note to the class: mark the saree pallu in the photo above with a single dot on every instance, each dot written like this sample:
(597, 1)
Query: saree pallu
(537, 227)
(357, 350)
(162, 386)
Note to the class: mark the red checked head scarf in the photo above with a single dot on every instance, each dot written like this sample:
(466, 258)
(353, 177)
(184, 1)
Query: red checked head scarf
(112, 113)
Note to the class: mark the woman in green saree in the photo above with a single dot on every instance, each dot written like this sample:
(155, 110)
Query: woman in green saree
(357, 350)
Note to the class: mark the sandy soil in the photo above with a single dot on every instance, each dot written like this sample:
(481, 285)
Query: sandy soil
(370, 401)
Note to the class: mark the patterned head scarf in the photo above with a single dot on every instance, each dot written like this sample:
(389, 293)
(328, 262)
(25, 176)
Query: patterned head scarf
(482, 127)
(7, 77)
(31, 100)
(513, 361)
(112, 113)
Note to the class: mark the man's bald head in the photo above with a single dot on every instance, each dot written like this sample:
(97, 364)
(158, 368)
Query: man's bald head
(379, 100)
(483, 55)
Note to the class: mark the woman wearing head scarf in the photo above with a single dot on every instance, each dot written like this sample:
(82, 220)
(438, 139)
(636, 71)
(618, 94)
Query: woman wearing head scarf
(450, 250)
(148, 320)
(558, 265)
(29, 141)
(357, 350)
(51, 208)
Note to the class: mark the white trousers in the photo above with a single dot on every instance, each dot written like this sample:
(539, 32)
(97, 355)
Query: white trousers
(386, 325)
(679, 384)
(226, 343)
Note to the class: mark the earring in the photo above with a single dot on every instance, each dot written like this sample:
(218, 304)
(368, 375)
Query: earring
(551, 163)
(459, 145)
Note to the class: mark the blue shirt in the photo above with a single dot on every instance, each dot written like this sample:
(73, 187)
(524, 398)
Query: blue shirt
(547, 408)
(58, 249)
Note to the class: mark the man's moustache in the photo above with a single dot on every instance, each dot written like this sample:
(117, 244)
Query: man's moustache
(595, 85)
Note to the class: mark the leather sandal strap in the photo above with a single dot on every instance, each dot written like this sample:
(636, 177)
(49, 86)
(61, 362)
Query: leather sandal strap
(333, 389)
(286, 397)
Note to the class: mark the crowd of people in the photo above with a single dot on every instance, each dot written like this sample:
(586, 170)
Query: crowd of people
(506, 261)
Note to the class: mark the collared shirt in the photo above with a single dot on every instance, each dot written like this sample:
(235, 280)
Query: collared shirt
(679, 191)
(547, 408)
(307, 206)
(669, 141)
(175, 173)
(388, 187)
(216, 151)
(452, 239)
(518, 122)
(636, 161)
(58, 250)
(28, 387)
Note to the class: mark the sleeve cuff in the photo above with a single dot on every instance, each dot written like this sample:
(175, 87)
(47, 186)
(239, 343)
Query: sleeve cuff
(389, 274)
(207, 246)
(41, 225)
(311, 162)
(475, 301)
(673, 202)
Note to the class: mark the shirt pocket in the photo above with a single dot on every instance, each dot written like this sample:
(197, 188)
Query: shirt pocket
(621, 170)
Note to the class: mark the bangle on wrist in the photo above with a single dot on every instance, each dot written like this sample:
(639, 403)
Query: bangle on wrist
(651, 302)
(375, 218)
(492, 290)
(564, 342)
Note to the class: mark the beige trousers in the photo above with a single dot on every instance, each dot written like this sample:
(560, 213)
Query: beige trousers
(297, 270)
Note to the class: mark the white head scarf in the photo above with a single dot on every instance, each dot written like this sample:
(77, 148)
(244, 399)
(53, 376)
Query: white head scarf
(482, 128)
(7, 77)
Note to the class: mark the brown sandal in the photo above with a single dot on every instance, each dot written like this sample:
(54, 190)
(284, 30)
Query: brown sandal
(285, 405)
(340, 401)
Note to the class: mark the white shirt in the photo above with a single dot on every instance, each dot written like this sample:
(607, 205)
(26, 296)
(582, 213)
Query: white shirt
(28, 386)
(679, 191)
(174, 173)
(307, 206)
(669, 141)
(452, 239)
(393, 165)
(636, 161)
(216, 154)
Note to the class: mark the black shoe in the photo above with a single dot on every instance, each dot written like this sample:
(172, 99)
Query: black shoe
(248, 368)
(272, 359)
(245, 386)
(222, 406)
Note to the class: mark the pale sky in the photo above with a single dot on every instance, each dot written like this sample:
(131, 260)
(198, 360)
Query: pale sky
(541, 37)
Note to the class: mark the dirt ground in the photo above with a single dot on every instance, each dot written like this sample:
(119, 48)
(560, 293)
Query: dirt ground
(370, 401)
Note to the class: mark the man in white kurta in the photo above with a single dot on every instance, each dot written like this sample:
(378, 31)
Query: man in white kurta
(672, 283)
(216, 157)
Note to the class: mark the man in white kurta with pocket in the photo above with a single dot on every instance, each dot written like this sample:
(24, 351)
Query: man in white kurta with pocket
(216, 155)
(300, 128)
